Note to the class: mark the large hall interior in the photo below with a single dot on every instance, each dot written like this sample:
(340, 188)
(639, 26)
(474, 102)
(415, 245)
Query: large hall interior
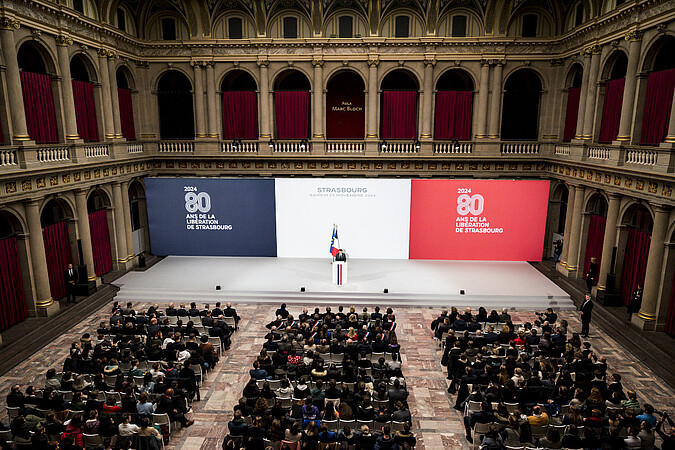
(178, 178)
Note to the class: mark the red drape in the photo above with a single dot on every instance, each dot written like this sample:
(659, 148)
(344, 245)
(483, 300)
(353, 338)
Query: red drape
(291, 111)
(85, 110)
(596, 234)
(453, 115)
(634, 263)
(100, 242)
(611, 110)
(126, 114)
(670, 319)
(12, 297)
(57, 249)
(572, 113)
(399, 114)
(660, 87)
(38, 103)
(240, 115)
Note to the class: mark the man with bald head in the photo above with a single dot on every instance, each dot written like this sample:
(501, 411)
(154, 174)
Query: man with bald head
(229, 311)
(166, 405)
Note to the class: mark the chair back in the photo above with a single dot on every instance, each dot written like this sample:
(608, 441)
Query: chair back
(292, 445)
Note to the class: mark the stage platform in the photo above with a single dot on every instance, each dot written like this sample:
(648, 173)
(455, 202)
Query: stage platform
(409, 283)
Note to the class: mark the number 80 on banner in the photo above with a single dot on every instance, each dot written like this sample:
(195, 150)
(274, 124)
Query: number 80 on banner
(470, 204)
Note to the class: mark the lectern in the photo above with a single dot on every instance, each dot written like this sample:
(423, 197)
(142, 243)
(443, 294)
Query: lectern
(339, 272)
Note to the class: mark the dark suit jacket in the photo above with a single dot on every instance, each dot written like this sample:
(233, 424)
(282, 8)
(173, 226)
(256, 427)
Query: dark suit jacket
(342, 256)
(586, 310)
(68, 277)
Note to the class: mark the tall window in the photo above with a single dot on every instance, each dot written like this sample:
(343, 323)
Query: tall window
(579, 15)
(346, 27)
(121, 20)
(402, 26)
(529, 25)
(235, 28)
(78, 5)
(290, 27)
(459, 26)
(169, 29)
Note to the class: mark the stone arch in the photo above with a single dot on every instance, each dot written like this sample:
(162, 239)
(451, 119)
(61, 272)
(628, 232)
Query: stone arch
(542, 79)
(238, 79)
(11, 223)
(175, 101)
(98, 199)
(395, 76)
(328, 75)
(470, 12)
(345, 105)
(82, 68)
(157, 78)
(574, 75)
(659, 53)
(292, 79)
(637, 214)
(615, 65)
(596, 202)
(55, 209)
(521, 105)
(33, 56)
(455, 79)
(124, 73)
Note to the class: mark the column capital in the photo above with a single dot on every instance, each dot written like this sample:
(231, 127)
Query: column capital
(318, 63)
(634, 35)
(7, 23)
(142, 64)
(80, 191)
(614, 196)
(263, 63)
(555, 62)
(209, 64)
(485, 63)
(661, 208)
(32, 202)
(198, 64)
(63, 41)
(497, 62)
(102, 53)
(373, 61)
(429, 61)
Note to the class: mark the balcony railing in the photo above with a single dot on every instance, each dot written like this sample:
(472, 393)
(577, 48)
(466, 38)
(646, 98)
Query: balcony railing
(520, 148)
(96, 151)
(641, 156)
(443, 148)
(599, 152)
(562, 149)
(53, 154)
(8, 158)
(176, 147)
(240, 147)
(291, 146)
(399, 147)
(344, 147)
(134, 148)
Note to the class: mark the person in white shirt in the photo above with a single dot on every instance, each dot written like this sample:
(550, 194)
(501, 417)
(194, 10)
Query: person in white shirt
(127, 428)
(183, 355)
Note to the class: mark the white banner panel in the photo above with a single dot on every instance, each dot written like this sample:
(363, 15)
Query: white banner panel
(373, 217)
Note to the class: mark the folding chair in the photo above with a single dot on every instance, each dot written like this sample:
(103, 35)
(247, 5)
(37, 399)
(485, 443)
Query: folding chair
(92, 441)
(162, 419)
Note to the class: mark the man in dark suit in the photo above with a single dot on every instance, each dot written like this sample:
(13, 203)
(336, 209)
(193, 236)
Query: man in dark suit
(231, 312)
(217, 312)
(70, 277)
(586, 312)
(341, 256)
(485, 415)
(593, 270)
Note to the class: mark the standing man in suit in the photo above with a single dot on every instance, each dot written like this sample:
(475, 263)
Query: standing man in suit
(586, 311)
(593, 270)
(70, 277)
(341, 256)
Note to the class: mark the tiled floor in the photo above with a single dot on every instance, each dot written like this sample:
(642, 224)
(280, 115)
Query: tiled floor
(437, 425)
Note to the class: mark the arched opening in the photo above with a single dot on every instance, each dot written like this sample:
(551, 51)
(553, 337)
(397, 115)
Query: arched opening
(574, 80)
(176, 115)
(57, 232)
(240, 106)
(291, 105)
(520, 114)
(660, 88)
(453, 106)
(38, 98)
(12, 288)
(83, 94)
(345, 106)
(595, 221)
(126, 104)
(615, 74)
(398, 119)
(636, 233)
(139, 218)
(98, 205)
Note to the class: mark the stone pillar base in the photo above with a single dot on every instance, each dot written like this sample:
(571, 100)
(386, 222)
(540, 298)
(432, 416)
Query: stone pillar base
(125, 265)
(569, 273)
(49, 310)
(372, 148)
(643, 324)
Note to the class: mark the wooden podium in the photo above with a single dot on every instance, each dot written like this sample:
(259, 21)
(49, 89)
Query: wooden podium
(339, 272)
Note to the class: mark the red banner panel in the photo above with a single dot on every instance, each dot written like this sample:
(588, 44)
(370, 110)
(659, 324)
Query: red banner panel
(494, 220)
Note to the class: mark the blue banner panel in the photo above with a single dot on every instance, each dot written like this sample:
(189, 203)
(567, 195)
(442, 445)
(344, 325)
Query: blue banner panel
(211, 217)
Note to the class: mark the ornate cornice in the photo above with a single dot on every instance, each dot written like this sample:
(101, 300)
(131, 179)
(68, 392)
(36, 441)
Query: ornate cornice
(64, 41)
(634, 35)
(7, 23)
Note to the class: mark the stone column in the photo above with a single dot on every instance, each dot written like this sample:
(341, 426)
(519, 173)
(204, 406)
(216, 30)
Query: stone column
(646, 318)
(317, 100)
(427, 97)
(265, 113)
(575, 232)
(120, 230)
(70, 119)
(85, 233)
(44, 303)
(13, 77)
(591, 94)
(609, 239)
(199, 100)
(579, 133)
(108, 121)
(481, 127)
(114, 97)
(496, 100)
(569, 212)
(372, 132)
(626, 122)
(211, 100)
(126, 207)
(670, 138)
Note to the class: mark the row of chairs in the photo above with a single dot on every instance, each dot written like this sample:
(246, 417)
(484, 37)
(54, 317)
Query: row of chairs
(474, 406)
(336, 358)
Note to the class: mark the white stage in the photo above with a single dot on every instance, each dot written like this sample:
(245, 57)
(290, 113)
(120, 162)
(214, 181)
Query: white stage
(409, 282)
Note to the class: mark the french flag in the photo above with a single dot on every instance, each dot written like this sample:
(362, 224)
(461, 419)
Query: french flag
(334, 248)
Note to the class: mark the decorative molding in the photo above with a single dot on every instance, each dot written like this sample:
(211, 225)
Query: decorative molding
(634, 35)
(63, 41)
(318, 62)
(373, 61)
(263, 62)
(7, 23)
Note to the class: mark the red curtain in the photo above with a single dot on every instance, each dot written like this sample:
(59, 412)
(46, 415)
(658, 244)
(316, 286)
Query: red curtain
(291, 111)
(12, 298)
(453, 115)
(57, 249)
(399, 114)
(670, 319)
(240, 115)
(85, 110)
(572, 113)
(634, 263)
(660, 87)
(39, 105)
(596, 234)
(611, 110)
(126, 114)
(100, 242)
